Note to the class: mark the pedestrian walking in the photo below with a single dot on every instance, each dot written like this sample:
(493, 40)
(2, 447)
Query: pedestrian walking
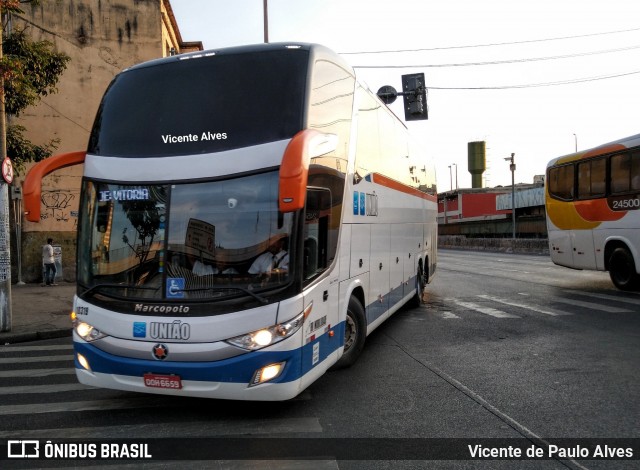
(49, 263)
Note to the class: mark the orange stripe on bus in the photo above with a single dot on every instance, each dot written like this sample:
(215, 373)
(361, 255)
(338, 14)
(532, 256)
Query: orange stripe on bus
(393, 184)
(597, 210)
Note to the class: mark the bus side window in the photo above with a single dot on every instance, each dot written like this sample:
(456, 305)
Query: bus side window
(620, 173)
(635, 171)
(592, 178)
(561, 182)
(316, 231)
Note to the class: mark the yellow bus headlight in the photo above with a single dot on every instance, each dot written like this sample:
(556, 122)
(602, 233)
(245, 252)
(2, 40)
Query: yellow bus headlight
(267, 336)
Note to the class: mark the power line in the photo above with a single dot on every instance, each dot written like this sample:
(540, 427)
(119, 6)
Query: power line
(534, 85)
(499, 62)
(491, 44)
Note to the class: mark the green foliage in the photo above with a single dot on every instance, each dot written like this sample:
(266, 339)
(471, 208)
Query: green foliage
(22, 150)
(31, 70)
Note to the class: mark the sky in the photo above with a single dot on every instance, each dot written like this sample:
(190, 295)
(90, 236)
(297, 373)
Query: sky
(537, 79)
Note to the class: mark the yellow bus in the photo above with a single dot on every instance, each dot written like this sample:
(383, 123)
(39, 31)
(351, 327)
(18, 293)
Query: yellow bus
(593, 210)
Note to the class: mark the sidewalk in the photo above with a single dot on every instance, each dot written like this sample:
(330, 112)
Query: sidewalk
(39, 312)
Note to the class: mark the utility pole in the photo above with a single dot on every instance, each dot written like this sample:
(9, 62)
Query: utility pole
(5, 244)
(265, 8)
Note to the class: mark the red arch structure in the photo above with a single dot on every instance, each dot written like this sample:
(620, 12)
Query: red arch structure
(32, 187)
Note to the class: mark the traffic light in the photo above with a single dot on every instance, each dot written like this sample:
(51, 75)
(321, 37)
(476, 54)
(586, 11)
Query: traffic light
(414, 94)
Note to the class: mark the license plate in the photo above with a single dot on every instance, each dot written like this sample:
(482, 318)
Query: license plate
(162, 381)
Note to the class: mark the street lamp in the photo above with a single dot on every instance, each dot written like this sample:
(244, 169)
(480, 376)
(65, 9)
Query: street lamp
(512, 167)
(450, 180)
(453, 164)
(575, 139)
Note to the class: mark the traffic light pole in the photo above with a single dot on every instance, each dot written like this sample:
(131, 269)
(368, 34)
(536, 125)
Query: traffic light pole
(414, 95)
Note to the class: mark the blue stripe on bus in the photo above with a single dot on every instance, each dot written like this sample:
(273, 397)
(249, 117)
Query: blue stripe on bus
(377, 308)
(239, 369)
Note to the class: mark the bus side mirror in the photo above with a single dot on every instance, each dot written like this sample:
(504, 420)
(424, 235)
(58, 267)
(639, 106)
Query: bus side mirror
(294, 170)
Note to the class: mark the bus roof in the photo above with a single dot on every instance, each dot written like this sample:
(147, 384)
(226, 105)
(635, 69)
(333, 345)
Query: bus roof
(620, 144)
(316, 50)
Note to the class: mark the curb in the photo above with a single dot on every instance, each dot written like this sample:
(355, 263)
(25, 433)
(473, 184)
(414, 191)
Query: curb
(12, 338)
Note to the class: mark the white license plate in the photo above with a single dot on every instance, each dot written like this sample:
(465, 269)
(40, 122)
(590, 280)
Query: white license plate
(162, 381)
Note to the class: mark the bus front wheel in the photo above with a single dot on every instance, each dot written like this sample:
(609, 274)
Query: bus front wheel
(622, 270)
(355, 332)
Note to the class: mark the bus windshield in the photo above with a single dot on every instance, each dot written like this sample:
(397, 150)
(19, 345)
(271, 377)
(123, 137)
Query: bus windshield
(206, 240)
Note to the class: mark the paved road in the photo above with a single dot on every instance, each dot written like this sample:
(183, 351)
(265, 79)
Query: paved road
(507, 346)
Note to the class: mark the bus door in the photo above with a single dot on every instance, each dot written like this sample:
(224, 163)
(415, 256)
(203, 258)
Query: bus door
(380, 268)
(400, 236)
(582, 249)
(321, 291)
(561, 246)
(572, 248)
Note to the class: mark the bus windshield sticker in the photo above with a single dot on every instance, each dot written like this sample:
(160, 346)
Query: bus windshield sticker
(175, 288)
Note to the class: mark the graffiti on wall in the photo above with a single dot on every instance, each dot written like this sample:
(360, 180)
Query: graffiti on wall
(60, 206)
(59, 201)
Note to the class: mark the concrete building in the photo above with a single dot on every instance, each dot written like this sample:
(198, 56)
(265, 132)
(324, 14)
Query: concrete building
(102, 38)
(486, 212)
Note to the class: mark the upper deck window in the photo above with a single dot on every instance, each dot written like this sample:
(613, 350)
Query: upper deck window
(202, 105)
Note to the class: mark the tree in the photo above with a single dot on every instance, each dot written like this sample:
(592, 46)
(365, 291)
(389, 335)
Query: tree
(30, 70)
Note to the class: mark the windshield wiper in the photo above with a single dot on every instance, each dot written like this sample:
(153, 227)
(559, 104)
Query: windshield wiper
(91, 289)
(259, 298)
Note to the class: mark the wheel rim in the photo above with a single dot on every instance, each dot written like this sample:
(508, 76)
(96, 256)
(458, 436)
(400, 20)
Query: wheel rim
(621, 270)
(350, 333)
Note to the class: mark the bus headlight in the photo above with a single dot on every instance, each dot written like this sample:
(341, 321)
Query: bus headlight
(267, 336)
(87, 332)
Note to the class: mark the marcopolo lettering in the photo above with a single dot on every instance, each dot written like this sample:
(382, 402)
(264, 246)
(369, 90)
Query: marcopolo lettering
(145, 308)
(139, 194)
(173, 330)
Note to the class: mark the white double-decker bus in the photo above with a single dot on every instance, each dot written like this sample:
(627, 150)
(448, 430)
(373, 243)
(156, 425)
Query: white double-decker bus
(248, 216)
(593, 210)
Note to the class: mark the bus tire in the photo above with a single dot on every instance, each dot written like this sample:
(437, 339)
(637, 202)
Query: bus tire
(418, 297)
(622, 270)
(355, 333)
